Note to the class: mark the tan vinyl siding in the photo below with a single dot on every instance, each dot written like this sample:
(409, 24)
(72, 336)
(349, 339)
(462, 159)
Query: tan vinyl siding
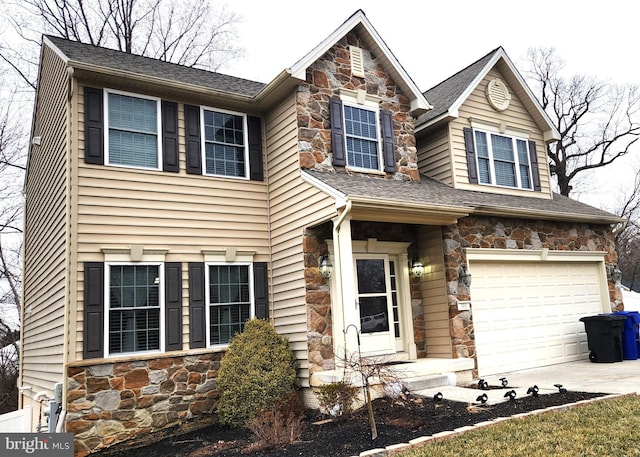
(515, 117)
(118, 207)
(45, 234)
(434, 296)
(435, 156)
(294, 206)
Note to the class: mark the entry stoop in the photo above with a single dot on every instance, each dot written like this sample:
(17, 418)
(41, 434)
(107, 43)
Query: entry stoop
(417, 374)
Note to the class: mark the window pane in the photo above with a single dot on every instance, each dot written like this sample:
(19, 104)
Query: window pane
(229, 301)
(523, 160)
(134, 308)
(132, 113)
(224, 144)
(482, 150)
(133, 138)
(371, 277)
(361, 138)
(505, 174)
(373, 314)
(502, 147)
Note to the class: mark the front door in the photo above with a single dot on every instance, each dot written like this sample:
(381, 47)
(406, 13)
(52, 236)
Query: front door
(377, 302)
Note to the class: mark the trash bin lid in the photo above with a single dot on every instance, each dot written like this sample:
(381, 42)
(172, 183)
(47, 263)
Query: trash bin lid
(603, 318)
(633, 315)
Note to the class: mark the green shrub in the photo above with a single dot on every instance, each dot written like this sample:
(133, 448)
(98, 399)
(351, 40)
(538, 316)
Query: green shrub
(256, 373)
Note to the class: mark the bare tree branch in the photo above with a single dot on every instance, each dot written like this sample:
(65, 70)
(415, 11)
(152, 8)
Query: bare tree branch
(598, 122)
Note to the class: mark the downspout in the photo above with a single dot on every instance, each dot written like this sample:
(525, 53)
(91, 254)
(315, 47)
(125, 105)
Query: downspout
(338, 257)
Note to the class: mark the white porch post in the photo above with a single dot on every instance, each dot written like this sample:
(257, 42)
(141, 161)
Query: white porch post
(406, 314)
(344, 308)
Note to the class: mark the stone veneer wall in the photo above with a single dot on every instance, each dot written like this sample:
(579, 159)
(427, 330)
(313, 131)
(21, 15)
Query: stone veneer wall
(325, 78)
(492, 232)
(111, 402)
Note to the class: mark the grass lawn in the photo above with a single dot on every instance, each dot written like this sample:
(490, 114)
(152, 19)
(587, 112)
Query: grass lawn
(603, 428)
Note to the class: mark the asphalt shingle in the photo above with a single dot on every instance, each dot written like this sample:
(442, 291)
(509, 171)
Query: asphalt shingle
(443, 95)
(117, 60)
(436, 193)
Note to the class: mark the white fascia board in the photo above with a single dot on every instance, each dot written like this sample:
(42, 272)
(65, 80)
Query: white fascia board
(55, 49)
(338, 196)
(298, 70)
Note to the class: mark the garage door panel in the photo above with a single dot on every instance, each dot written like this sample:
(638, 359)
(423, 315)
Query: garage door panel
(527, 314)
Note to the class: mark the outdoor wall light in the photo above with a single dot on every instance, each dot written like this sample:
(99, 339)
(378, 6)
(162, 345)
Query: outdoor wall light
(417, 268)
(326, 267)
(615, 274)
(464, 275)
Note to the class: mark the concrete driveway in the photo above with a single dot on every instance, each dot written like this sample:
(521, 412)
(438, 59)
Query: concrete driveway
(581, 376)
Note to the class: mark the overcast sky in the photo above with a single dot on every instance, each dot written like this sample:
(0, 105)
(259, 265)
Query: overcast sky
(433, 40)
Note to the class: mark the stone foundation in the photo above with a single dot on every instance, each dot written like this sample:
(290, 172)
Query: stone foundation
(111, 402)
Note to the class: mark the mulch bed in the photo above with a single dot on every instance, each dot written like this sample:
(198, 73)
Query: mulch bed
(397, 422)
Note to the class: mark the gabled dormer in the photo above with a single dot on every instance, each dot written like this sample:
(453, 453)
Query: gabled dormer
(356, 106)
(487, 132)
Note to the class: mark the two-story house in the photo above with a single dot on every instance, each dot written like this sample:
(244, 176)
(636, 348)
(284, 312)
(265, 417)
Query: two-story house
(165, 205)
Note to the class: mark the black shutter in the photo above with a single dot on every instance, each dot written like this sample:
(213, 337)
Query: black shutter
(254, 132)
(170, 137)
(192, 137)
(388, 146)
(93, 310)
(337, 132)
(197, 322)
(535, 169)
(471, 155)
(173, 306)
(93, 126)
(261, 290)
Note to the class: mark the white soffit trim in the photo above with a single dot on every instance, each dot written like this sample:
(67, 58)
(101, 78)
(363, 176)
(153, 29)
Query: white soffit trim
(551, 133)
(299, 69)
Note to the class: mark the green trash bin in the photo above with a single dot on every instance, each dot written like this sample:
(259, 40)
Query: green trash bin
(604, 336)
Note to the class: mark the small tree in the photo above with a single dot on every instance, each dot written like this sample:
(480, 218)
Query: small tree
(257, 373)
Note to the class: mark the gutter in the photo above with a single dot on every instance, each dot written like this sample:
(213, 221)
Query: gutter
(548, 215)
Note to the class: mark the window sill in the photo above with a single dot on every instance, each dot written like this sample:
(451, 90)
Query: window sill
(365, 171)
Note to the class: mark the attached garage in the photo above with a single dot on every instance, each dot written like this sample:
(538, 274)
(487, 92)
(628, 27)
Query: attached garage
(526, 306)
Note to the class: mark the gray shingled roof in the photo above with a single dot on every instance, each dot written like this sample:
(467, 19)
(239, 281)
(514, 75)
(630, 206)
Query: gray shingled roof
(443, 95)
(116, 60)
(436, 193)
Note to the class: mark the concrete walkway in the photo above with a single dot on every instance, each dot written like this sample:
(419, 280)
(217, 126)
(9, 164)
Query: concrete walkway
(581, 376)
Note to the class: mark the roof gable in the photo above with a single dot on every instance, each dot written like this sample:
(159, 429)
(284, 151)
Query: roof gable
(359, 22)
(448, 96)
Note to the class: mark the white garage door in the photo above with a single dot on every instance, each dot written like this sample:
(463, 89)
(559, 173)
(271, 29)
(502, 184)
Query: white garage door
(526, 314)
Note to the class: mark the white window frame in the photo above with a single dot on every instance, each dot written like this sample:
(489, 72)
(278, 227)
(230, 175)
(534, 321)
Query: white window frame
(107, 128)
(492, 173)
(107, 307)
(245, 139)
(376, 111)
(252, 306)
